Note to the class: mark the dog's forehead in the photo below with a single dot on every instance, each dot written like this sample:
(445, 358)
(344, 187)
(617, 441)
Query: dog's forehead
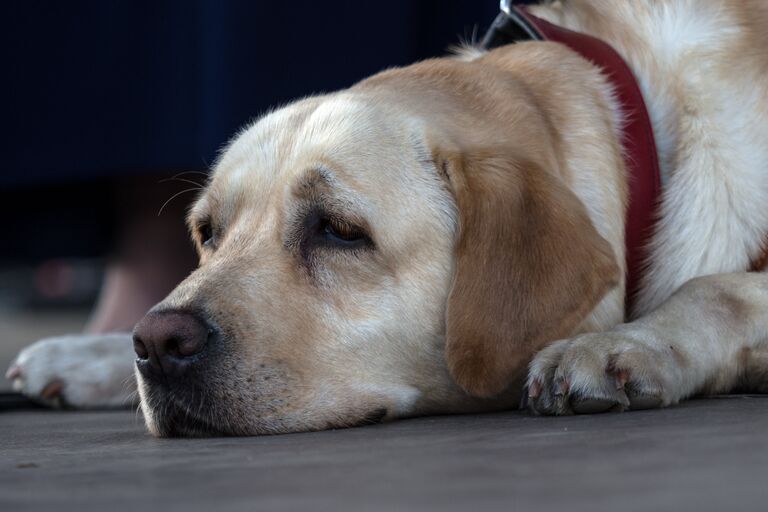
(341, 132)
(314, 127)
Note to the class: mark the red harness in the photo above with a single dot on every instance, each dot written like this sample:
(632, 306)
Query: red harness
(640, 157)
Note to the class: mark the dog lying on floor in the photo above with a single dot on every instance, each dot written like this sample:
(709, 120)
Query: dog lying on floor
(450, 237)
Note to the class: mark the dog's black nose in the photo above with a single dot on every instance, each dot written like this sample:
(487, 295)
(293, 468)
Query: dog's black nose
(166, 341)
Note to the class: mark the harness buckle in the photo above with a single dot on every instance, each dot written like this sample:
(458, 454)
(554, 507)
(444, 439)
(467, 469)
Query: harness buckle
(509, 27)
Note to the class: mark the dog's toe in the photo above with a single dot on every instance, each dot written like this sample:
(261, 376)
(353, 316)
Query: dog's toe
(52, 390)
(13, 373)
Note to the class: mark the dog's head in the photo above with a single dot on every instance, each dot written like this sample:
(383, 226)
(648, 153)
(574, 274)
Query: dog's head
(399, 248)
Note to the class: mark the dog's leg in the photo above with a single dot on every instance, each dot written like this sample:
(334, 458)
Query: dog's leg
(82, 371)
(711, 336)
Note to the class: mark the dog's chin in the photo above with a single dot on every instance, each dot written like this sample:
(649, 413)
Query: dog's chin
(177, 422)
(184, 412)
(168, 415)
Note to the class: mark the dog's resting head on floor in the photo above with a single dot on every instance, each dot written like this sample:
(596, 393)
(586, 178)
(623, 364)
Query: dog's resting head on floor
(399, 248)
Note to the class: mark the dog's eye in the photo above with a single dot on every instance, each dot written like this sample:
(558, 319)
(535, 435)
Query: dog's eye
(205, 231)
(340, 233)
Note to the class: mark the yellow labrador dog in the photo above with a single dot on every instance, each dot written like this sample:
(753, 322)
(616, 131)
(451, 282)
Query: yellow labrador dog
(449, 237)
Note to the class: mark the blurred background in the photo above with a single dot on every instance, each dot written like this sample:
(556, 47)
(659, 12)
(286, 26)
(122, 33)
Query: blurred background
(106, 99)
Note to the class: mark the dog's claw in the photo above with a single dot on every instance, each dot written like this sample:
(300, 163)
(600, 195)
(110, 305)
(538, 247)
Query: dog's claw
(524, 399)
(52, 390)
(535, 389)
(560, 396)
(622, 377)
(560, 388)
(14, 372)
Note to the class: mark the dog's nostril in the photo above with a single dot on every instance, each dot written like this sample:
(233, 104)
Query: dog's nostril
(172, 347)
(140, 348)
(189, 346)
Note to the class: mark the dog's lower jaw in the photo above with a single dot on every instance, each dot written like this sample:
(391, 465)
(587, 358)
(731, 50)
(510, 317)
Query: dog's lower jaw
(171, 413)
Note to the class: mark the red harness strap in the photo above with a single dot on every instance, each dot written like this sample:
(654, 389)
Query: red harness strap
(640, 157)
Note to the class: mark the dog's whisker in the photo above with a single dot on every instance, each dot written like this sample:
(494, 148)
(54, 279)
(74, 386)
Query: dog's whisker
(206, 174)
(129, 381)
(183, 180)
(174, 196)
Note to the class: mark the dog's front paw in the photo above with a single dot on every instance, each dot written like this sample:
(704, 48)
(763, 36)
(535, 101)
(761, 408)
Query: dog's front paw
(610, 371)
(82, 371)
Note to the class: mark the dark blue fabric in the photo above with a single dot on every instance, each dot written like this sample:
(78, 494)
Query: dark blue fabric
(108, 88)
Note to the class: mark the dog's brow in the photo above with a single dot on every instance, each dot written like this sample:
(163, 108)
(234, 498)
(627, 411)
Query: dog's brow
(423, 155)
(427, 161)
(196, 214)
(314, 181)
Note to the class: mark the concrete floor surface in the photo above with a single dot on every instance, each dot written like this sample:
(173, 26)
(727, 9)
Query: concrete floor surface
(706, 455)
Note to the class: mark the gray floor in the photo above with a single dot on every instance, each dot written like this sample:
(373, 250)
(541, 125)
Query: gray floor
(707, 455)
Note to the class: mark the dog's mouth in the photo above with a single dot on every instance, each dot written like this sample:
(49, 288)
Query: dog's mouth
(176, 418)
(179, 424)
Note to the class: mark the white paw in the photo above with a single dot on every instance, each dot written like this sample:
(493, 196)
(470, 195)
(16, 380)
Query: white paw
(610, 371)
(82, 371)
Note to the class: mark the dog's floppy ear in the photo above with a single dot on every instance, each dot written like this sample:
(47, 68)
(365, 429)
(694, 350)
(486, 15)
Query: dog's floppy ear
(529, 267)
